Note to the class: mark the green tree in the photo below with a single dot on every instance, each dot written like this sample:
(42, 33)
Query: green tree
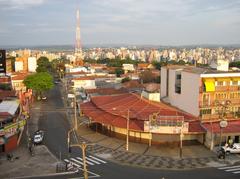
(43, 65)
(39, 82)
(125, 79)
(119, 72)
(235, 64)
(157, 64)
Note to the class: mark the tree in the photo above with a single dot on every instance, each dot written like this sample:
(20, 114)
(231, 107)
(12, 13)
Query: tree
(119, 72)
(235, 64)
(157, 64)
(43, 65)
(39, 82)
(125, 79)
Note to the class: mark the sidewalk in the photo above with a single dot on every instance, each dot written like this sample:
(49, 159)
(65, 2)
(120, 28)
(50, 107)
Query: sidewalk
(155, 157)
(43, 162)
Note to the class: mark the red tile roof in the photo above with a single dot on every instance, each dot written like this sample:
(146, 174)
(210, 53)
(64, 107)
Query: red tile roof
(106, 91)
(232, 127)
(5, 94)
(19, 76)
(100, 116)
(113, 110)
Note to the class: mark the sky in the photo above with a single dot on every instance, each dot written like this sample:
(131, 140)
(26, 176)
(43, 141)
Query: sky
(133, 22)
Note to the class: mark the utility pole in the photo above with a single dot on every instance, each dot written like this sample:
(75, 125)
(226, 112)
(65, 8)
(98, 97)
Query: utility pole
(75, 112)
(127, 139)
(83, 146)
(181, 139)
(68, 137)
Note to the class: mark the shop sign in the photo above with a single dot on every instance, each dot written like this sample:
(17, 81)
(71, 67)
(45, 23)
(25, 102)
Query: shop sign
(12, 129)
(2, 133)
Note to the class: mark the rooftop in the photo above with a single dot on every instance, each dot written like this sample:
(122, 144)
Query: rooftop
(198, 70)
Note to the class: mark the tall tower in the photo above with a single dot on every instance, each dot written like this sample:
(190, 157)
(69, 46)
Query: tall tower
(78, 46)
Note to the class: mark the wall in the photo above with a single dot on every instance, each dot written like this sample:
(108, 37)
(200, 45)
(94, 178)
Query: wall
(188, 99)
(18, 66)
(32, 64)
(163, 82)
(11, 143)
(151, 96)
(86, 84)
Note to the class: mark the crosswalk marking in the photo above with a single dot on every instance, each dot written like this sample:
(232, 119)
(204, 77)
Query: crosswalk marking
(233, 169)
(223, 168)
(78, 161)
(89, 163)
(92, 160)
(97, 159)
(79, 166)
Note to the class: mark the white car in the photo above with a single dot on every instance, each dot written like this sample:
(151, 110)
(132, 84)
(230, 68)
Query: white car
(233, 150)
(38, 137)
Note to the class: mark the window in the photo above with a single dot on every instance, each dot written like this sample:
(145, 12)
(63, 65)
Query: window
(205, 111)
(234, 83)
(219, 83)
(178, 78)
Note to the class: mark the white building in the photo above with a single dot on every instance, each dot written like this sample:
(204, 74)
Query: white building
(18, 66)
(32, 64)
(87, 82)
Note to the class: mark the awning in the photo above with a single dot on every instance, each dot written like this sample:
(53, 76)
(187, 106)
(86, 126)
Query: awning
(232, 127)
(209, 84)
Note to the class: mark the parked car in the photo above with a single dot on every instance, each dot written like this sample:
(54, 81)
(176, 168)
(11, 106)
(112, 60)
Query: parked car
(235, 148)
(44, 98)
(38, 137)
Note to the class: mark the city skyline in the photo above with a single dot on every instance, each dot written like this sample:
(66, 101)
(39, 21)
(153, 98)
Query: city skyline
(45, 22)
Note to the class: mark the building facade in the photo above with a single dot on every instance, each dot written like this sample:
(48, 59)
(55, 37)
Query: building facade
(210, 95)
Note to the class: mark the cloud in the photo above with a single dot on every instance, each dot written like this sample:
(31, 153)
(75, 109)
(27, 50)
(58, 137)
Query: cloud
(19, 4)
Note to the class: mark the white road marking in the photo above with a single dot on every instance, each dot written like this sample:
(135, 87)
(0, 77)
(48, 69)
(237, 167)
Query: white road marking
(73, 159)
(92, 160)
(97, 159)
(223, 168)
(90, 163)
(234, 169)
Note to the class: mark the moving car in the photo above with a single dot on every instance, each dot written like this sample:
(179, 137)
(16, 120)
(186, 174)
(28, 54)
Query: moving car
(235, 148)
(38, 137)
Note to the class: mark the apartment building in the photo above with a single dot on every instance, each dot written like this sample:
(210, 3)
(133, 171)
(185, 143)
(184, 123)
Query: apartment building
(208, 94)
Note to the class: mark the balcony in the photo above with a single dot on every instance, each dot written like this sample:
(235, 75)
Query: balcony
(221, 89)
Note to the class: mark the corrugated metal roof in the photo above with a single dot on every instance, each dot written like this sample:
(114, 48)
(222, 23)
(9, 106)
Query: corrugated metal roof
(9, 107)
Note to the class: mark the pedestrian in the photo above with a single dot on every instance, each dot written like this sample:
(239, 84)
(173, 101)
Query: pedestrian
(230, 142)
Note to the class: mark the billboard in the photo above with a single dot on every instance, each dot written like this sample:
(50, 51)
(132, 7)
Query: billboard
(2, 61)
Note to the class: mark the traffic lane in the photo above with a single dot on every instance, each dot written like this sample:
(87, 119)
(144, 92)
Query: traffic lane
(116, 171)
(139, 173)
(55, 126)
(54, 98)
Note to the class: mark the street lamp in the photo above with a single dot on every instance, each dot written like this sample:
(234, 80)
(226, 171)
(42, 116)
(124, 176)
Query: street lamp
(127, 138)
(73, 96)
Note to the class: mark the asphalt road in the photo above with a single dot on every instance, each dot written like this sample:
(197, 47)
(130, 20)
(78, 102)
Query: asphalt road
(54, 121)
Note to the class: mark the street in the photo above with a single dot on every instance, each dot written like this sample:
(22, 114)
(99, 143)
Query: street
(54, 122)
